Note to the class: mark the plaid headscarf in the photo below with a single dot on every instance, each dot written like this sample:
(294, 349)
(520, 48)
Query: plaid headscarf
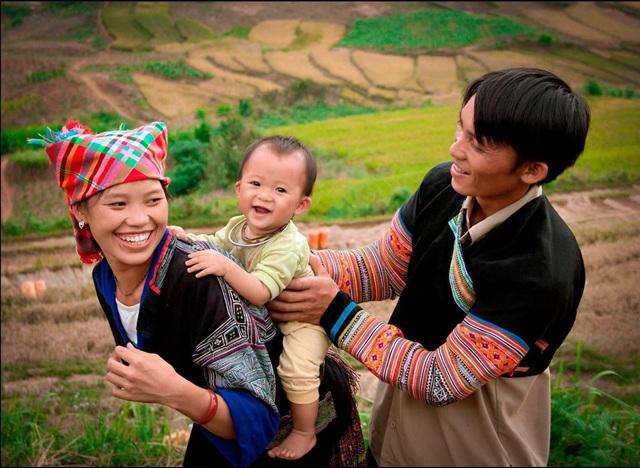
(86, 163)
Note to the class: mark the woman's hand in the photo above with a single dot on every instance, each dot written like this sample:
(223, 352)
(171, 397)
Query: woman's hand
(148, 378)
(305, 299)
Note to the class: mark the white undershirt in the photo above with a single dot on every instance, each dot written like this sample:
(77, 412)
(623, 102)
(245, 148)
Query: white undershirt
(129, 319)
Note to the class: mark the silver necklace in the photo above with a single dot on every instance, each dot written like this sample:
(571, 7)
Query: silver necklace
(134, 288)
(252, 242)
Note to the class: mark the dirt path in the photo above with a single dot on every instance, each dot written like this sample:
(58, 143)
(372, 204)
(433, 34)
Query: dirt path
(7, 192)
(95, 90)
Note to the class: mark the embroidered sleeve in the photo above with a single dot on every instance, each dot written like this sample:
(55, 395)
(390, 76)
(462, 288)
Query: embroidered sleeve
(375, 272)
(474, 353)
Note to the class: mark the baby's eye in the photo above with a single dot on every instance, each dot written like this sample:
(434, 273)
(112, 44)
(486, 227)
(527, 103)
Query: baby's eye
(256, 184)
(281, 190)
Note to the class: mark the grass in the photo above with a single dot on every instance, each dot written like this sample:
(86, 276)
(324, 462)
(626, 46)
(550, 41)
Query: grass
(304, 113)
(171, 70)
(367, 172)
(611, 157)
(430, 28)
(155, 18)
(194, 31)
(81, 424)
(590, 426)
(129, 436)
(128, 33)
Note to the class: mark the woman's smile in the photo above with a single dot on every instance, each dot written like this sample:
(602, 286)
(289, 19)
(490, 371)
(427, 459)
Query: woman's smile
(136, 240)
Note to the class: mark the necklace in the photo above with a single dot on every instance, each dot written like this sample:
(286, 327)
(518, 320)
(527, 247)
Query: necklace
(252, 241)
(134, 288)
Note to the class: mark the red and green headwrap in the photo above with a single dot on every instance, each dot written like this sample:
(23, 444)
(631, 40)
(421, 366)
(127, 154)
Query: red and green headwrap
(86, 163)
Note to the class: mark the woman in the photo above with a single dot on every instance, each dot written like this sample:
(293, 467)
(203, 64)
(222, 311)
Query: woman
(188, 343)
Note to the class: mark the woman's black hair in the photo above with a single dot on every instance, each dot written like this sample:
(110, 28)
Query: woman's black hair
(533, 111)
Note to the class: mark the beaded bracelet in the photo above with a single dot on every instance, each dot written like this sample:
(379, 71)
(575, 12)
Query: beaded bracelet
(213, 407)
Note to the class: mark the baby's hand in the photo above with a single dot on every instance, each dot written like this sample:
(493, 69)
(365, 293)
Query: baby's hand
(178, 232)
(207, 262)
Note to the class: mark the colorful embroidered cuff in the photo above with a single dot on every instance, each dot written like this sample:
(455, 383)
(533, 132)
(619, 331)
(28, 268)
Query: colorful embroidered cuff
(338, 315)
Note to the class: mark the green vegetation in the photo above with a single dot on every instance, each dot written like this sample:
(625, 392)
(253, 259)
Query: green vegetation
(15, 13)
(545, 39)
(430, 28)
(73, 429)
(171, 70)
(13, 140)
(369, 163)
(594, 88)
(303, 113)
(81, 424)
(592, 427)
(194, 31)
(72, 8)
(128, 33)
(150, 24)
(611, 156)
(44, 75)
(241, 32)
(155, 18)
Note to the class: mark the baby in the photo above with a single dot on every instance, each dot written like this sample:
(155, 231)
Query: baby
(275, 181)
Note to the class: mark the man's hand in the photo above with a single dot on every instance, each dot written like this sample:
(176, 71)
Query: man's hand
(305, 299)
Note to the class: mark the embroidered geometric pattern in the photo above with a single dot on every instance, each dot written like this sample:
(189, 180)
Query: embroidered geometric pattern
(459, 279)
(385, 263)
(234, 355)
(475, 353)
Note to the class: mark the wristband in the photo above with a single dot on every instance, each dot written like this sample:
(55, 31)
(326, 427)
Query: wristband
(213, 408)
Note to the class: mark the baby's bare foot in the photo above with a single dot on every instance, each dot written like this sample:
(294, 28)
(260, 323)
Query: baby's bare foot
(296, 445)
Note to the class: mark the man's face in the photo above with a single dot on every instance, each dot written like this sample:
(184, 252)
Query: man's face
(482, 169)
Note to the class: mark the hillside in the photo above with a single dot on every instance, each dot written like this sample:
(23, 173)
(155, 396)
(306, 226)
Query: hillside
(67, 62)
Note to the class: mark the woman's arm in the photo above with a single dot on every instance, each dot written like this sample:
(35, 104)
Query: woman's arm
(150, 379)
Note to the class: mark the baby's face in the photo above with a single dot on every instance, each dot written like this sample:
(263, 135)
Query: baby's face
(270, 192)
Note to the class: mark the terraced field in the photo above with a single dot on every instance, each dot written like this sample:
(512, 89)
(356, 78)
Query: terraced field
(285, 43)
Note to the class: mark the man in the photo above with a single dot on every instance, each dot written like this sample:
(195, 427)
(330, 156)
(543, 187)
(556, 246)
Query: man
(489, 280)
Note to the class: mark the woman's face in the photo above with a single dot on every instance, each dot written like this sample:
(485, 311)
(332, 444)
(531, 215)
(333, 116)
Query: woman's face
(128, 221)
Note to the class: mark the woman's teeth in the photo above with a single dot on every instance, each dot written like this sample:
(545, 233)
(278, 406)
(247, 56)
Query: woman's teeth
(137, 239)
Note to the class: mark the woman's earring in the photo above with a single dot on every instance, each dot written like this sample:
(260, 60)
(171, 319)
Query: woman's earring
(81, 224)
